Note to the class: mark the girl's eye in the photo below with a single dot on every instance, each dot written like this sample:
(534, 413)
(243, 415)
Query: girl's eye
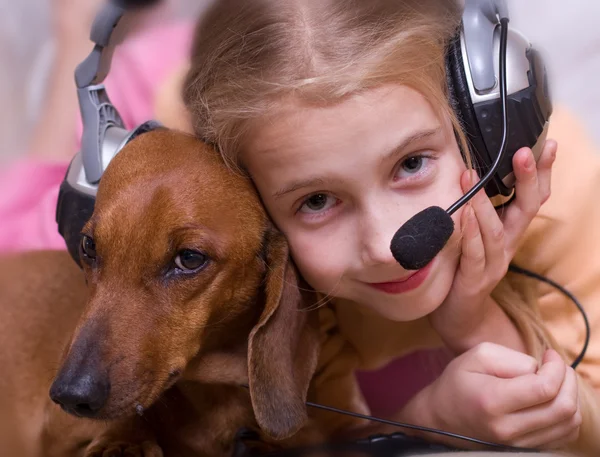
(317, 203)
(412, 165)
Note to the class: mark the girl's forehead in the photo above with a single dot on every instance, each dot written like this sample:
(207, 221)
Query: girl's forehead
(395, 109)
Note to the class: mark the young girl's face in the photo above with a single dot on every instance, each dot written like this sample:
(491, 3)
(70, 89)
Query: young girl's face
(340, 180)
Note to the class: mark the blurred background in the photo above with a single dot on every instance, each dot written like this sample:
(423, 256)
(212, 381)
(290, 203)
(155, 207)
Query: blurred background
(566, 31)
(28, 45)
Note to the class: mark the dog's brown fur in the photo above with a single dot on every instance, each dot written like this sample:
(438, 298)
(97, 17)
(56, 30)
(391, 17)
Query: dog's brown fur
(175, 347)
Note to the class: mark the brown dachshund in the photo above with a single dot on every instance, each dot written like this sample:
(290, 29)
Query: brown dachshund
(190, 296)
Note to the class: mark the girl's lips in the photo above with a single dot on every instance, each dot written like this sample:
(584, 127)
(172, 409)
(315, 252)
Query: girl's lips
(403, 285)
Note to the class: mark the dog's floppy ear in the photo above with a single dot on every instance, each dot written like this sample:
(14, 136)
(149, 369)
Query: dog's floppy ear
(283, 346)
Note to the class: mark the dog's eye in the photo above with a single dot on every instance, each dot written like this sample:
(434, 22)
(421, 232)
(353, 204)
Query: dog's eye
(88, 247)
(188, 260)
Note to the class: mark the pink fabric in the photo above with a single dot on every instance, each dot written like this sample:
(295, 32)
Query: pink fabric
(29, 188)
(388, 389)
(28, 191)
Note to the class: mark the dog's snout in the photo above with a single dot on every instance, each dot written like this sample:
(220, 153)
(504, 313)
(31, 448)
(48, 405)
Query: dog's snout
(82, 395)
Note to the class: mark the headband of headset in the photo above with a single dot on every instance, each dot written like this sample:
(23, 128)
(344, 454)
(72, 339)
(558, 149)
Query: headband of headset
(104, 133)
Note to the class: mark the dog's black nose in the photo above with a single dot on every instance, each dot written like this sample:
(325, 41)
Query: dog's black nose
(82, 395)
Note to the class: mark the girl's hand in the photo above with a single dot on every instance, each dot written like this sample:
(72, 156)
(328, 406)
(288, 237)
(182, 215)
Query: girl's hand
(496, 394)
(489, 243)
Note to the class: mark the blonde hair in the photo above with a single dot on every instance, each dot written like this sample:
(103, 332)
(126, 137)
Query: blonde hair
(249, 55)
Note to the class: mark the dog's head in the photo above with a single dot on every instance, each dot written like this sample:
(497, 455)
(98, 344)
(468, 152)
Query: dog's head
(184, 267)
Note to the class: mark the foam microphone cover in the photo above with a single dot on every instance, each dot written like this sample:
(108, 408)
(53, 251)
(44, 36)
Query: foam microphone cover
(422, 237)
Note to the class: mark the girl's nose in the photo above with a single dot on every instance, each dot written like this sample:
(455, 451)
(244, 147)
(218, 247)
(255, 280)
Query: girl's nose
(377, 230)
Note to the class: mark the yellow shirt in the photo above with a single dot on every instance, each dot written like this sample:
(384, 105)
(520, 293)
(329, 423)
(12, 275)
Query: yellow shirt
(562, 243)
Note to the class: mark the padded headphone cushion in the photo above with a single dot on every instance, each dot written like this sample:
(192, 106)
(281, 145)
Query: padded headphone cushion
(460, 100)
(73, 210)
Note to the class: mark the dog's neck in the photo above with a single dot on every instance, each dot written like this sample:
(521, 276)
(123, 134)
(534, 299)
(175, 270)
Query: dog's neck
(227, 367)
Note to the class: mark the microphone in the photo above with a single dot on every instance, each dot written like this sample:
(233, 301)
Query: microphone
(419, 240)
(424, 235)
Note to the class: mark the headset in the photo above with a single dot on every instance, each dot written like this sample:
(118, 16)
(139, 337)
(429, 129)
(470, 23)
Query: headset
(474, 83)
(503, 104)
(473, 88)
(499, 115)
(104, 133)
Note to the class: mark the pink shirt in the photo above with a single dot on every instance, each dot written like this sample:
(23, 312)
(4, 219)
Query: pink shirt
(29, 188)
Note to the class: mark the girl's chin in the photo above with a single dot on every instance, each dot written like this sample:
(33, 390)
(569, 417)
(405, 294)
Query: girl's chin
(405, 307)
(395, 308)
(404, 313)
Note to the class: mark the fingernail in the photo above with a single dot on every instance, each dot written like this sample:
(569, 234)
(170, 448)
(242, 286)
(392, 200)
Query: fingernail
(530, 162)
(474, 177)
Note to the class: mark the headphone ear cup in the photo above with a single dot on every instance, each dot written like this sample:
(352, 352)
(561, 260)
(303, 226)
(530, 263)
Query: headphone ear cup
(73, 210)
(460, 100)
(77, 197)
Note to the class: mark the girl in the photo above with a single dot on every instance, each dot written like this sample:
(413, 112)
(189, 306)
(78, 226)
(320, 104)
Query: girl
(338, 111)
(141, 87)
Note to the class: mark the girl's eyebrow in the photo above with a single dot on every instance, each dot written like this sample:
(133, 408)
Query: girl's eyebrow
(294, 186)
(410, 140)
(405, 143)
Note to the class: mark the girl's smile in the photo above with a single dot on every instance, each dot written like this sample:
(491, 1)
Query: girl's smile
(405, 284)
(339, 180)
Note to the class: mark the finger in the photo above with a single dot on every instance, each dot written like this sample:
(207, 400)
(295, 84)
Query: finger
(551, 356)
(523, 209)
(520, 430)
(472, 263)
(555, 423)
(491, 229)
(562, 442)
(498, 361)
(520, 395)
(562, 409)
(553, 437)
(472, 259)
(544, 169)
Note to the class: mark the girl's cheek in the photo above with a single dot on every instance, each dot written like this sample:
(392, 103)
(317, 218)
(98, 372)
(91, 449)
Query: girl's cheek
(306, 253)
(317, 261)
